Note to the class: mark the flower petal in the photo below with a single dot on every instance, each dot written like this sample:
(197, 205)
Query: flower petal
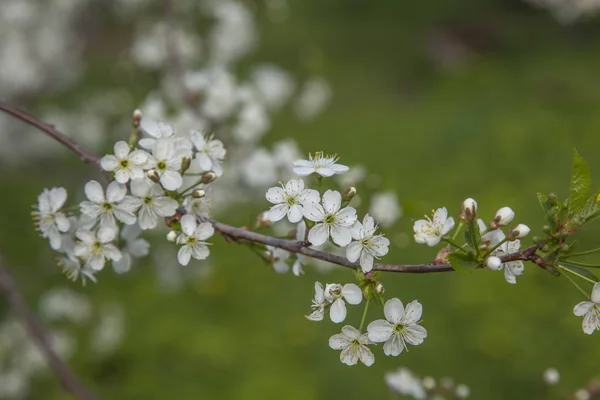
(188, 224)
(380, 330)
(318, 234)
(393, 310)
(352, 293)
(93, 191)
(337, 312)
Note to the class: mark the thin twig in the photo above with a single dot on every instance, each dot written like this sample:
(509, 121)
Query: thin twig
(36, 331)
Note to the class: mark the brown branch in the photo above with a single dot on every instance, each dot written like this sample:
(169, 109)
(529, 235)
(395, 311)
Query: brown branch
(238, 234)
(48, 129)
(35, 330)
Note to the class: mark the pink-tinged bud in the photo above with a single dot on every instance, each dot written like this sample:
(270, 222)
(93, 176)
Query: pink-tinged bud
(172, 236)
(469, 210)
(504, 216)
(520, 231)
(494, 263)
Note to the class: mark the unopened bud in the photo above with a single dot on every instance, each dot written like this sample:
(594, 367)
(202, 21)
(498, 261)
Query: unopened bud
(262, 220)
(185, 164)
(208, 177)
(546, 229)
(494, 263)
(172, 236)
(552, 199)
(349, 194)
(379, 289)
(137, 117)
(469, 210)
(428, 383)
(153, 175)
(519, 232)
(198, 193)
(551, 376)
(504, 216)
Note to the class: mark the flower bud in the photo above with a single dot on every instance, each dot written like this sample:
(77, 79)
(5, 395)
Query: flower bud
(494, 263)
(428, 383)
(349, 194)
(208, 177)
(172, 236)
(504, 216)
(462, 391)
(379, 289)
(137, 117)
(185, 164)
(262, 221)
(198, 193)
(469, 210)
(551, 376)
(153, 175)
(520, 231)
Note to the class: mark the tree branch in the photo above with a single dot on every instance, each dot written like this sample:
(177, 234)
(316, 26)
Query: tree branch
(35, 330)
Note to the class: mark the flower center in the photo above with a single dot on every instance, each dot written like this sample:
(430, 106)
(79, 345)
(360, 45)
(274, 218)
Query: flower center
(124, 163)
(107, 207)
(191, 240)
(290, 201)
(162, 165)
(147, 200)
(329, 219)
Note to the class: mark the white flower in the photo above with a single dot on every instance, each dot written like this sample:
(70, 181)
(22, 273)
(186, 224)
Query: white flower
(150, 202)
(134, 247)
(430, 231)
(402, 327)
(166, 160)
(73, 269)
(95, 248)
(108, 207)
(318, 304)
(300, 258)
(504, 216)
(278, 259)
(51, 222)
(590, 311)
(520, 231)
(512, 269)
(336, 294)
(321, 164)
(366, 247)
(462, 391)
(403, 382)
(198, 207)
(289, 200)
(210, 152)
(551, 376)
(385, 207)
(353, 346)
(330, 220)
(124, 164)
(155, 129)
(492, 238)
(193, 239)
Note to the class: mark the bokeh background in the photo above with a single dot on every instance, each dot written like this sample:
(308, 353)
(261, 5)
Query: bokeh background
(439, 101)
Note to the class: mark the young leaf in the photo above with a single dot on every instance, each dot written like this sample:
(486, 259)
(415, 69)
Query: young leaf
(581, 182)
(581, 271)
(543, 199)
(462, 262)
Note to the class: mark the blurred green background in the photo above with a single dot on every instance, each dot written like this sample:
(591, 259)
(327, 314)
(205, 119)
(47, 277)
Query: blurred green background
(446, 100)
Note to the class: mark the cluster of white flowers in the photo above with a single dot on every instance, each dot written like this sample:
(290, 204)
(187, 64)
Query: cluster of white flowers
(491, 238)
(148, 188)
(404, 383)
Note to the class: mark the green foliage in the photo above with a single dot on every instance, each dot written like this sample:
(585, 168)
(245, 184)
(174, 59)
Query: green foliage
(581, 184)
(462, 262)
(581, 271)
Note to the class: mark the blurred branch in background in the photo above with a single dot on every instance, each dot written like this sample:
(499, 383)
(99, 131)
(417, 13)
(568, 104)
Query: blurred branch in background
(36, 331)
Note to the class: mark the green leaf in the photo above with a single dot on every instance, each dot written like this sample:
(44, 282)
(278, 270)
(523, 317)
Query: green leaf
(589, 212)
(472, 235)
(580, 270)
(581, 183)
(462, 262)
(543, 199)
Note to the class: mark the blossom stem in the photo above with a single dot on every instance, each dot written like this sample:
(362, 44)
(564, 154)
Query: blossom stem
(191, 187)
(576, 284)
(364, 316)
(576, 274)
(458, 229)
(453, 243)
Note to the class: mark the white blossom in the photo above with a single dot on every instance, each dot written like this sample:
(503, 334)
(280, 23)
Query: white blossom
(353, 345)
(551, 376)
(318, 304)
(193, 238)
(430, 231)
(462, 391)
(331, 220)
(384, 207)
(279, 259)
(125, 164)
(335, 294)
(520, 231)
(400, 327)
(590, 311)
(150, 203)
(197, 206)
(321, 164)
(367, 246)
(512, 269)
(50, 220)
(289, 200)
(166, 159)
(95, 248)
(107, 208)
(73, 268)
(211, 152)
(157, 130)
(504, 216)
(134, 247)
(403, 382)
